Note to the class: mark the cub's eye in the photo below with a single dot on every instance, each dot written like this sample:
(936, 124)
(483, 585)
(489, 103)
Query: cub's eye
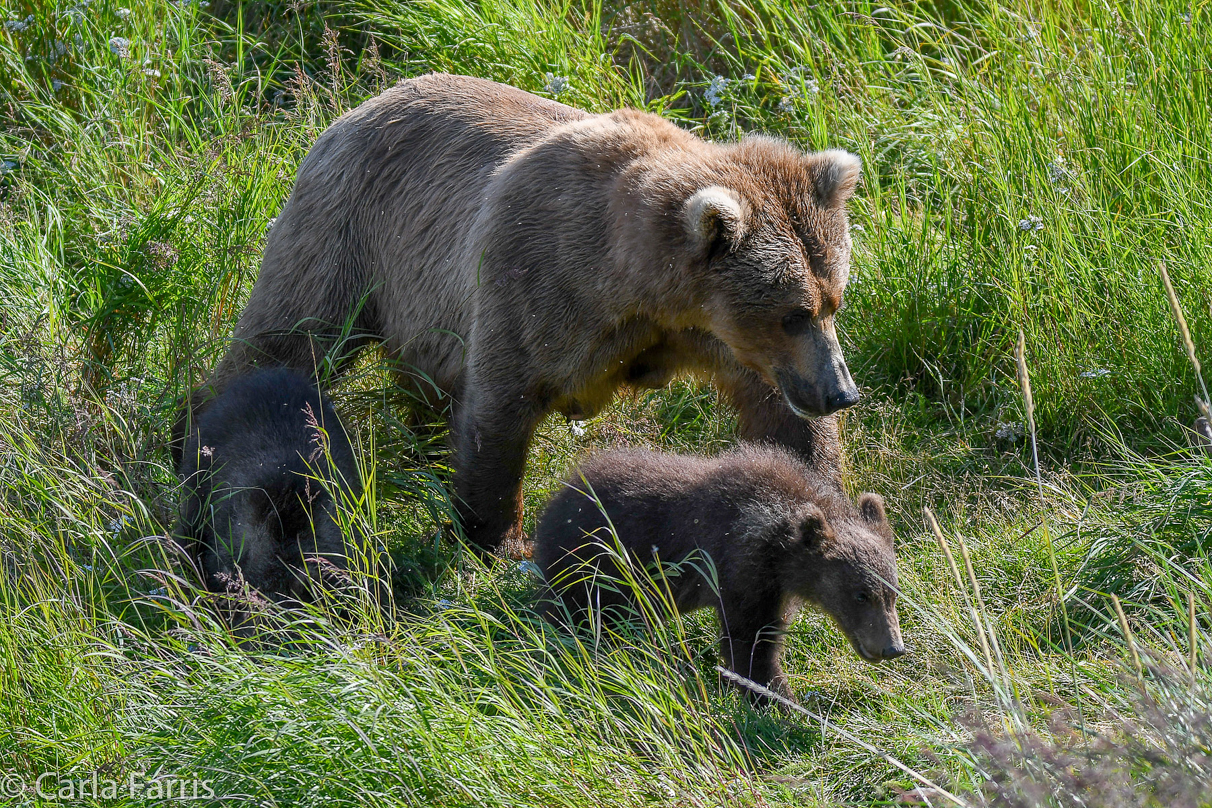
(862, 597)
(797, 322)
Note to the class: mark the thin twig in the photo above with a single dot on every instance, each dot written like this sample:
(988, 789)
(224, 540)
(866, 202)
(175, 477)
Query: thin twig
(749, 684)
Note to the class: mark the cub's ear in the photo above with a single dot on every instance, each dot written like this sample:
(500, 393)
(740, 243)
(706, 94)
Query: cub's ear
(714, 215)
(871, 506)
(835, 175)
(814, 528)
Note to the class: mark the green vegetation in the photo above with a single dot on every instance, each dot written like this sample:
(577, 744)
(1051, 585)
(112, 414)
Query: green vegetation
(1027, 166)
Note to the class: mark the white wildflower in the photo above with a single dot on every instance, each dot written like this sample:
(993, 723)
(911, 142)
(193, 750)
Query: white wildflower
(786, 104)
(714, 94)
(56, 85)
(17, 26)
(1012, 431)
(123, 13)
(799, 75)
(748, 77)
(1095, 373)
(120, 46)
(576, 429)
(556, 84)
(1031, 224)
(1059, 173)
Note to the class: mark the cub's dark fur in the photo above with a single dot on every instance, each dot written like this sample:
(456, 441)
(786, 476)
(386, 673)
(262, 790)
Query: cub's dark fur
(253, 508)
(775, 534)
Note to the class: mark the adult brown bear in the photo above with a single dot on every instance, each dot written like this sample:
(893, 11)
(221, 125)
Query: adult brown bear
(524, 257)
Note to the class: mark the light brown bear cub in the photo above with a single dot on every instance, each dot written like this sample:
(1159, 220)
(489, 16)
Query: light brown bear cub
(518, 257)
(775, 536)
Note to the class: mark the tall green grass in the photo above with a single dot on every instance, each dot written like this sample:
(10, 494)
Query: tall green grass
(1026, 166)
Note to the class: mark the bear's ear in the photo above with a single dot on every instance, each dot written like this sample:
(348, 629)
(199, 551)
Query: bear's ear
(714, 215)
(814, 528)
(835, 175)
(871, 506)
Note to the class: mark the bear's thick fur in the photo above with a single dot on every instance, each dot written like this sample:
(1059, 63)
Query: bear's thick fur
(523, 257)
(775, 534)
(254, 509)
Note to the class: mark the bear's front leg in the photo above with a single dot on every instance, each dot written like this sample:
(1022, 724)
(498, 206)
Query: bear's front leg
(492, 436)
(764, 416)
(751, 645)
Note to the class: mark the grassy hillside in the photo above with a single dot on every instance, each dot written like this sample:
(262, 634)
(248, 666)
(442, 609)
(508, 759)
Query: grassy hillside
(1026, 166)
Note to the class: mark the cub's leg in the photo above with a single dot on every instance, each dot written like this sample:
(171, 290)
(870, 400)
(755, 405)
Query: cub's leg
(751, 644)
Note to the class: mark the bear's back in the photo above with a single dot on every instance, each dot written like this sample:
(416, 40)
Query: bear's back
(675, 503)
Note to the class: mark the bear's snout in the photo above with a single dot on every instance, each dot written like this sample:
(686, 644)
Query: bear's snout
(831, 391)
(844, 397)
(813, 376)
(885, 654)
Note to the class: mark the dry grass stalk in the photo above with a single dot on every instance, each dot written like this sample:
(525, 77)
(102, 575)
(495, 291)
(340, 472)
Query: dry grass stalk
(1194, 629)
(1123, 624)
(959, 581)
(1024, 381)
(1188, 343)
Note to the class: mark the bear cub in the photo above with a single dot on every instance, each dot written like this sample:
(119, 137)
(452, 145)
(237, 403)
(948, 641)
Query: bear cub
(775, 534)
(254, 507)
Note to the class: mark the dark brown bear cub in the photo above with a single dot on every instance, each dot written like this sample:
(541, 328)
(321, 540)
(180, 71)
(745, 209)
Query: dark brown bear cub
(254, 507)
(775, 536)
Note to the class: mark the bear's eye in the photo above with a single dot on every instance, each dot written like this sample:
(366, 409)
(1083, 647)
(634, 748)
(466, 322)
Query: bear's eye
(797, 322)
(862, 597)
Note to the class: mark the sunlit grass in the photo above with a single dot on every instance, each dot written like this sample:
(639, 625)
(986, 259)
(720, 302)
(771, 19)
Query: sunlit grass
(1026, 167)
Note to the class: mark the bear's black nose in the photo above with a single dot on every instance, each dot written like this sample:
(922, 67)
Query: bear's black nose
(843, 398)
(893, 651)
